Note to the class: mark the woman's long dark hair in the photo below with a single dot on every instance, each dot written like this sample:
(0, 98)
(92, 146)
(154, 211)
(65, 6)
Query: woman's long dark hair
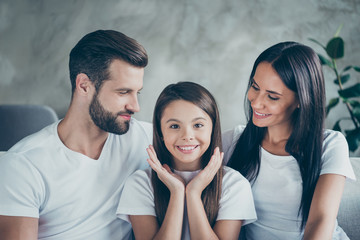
(300, 69)
(203, 99)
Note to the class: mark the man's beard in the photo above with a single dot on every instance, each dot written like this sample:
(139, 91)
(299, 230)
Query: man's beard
(106, 120)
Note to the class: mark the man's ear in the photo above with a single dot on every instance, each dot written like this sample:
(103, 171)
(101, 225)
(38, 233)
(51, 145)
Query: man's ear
(84, 86)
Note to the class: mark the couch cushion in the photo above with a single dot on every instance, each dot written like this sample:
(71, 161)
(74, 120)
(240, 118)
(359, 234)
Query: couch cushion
(349, 211)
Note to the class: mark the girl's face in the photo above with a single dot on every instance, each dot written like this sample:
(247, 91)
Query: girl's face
(186, 131)
(271, 101)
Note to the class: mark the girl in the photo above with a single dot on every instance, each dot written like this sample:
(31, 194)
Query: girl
(187, 194)
(297, 169)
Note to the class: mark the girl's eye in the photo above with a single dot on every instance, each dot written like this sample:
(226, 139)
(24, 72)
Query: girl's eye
(198, 125)
(174, 126)
(273, 98)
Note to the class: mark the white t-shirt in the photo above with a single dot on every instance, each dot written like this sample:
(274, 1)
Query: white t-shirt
(278, 187)
(236, 201)
(74, 196)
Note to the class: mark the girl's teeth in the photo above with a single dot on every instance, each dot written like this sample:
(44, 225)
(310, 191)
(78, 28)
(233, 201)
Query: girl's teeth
(187, 148)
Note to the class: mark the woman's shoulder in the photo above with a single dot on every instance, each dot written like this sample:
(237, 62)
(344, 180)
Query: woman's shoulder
(335, 157)
(332, 135)
(334, 141)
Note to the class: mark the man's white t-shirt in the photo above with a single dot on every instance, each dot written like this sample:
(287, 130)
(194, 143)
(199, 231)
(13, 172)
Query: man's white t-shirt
(278, 187)
(236, 201)
(74, 196)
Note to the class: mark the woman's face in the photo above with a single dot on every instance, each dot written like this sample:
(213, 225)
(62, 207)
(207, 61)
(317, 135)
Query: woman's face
(271, 101)
(186, 131)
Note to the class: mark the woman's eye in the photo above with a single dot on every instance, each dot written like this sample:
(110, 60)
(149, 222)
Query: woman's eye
(198, 125)
(254, 87)
(273, 98)
(174, 126)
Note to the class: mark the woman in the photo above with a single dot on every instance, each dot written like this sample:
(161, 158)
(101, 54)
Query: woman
(297, 169)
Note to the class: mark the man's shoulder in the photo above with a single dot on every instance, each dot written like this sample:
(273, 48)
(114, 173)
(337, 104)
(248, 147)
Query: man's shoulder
(41, 140)
(146, 125)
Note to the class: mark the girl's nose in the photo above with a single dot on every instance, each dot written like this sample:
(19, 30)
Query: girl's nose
(188, 134)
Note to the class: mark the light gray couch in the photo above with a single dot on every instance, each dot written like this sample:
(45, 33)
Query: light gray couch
(349, 212)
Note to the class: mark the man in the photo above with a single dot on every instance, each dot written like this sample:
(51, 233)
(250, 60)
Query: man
(64, 182)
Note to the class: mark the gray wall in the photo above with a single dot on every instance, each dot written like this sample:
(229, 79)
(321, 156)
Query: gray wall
(210, 42)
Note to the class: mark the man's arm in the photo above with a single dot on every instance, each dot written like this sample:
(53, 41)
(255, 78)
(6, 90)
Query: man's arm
(16, 228)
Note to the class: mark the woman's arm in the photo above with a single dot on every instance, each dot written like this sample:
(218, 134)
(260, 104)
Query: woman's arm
(324, 207)
(200, 227)
(147, 227)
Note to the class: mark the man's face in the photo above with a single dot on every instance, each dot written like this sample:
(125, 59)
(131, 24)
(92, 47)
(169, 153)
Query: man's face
(117, 99)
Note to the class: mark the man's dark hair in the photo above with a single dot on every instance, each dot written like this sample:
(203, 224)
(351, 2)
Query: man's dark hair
(94, 53)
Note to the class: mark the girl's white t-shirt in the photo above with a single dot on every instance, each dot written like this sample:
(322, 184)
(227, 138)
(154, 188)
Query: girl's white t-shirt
(236, 202)
(278, 187)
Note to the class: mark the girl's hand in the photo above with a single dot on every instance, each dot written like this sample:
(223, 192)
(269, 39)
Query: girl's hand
(205, 176)
(172, 181)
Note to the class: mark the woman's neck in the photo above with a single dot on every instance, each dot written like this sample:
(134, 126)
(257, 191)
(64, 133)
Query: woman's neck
(275, 140)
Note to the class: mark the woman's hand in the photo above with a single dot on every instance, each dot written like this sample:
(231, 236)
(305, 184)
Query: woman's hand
(205, 176)
(172, 181)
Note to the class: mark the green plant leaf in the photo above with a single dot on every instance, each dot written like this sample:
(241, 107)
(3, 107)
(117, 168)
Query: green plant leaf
(353, 138)
(347, 68)
(318, 43)
(325, 61)
(356, 111)
(332, 103)
(353, 103)
(335, 48)
(356, 68)
(337, 127)
(343, 78)
(353, 91)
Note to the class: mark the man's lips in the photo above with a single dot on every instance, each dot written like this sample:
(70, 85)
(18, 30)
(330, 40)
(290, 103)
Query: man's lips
(125, 116)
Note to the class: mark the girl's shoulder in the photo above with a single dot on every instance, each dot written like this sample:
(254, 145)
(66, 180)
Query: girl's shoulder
(140, 176)
(232, 176)
(234, 133)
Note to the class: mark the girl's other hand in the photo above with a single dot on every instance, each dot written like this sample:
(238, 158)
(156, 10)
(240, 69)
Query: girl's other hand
(205, 176)
(172, 181)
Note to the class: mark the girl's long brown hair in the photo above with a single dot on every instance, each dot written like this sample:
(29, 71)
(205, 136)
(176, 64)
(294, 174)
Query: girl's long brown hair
(202, 98)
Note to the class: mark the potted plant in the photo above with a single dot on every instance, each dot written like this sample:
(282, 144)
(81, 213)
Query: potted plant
(348, 92)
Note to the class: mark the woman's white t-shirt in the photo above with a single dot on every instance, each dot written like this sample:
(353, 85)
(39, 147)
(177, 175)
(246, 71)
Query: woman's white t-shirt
(278, 187)
(236, 201)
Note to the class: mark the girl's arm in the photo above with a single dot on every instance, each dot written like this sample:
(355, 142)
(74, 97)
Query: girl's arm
(200, 227)
(147, 227)
(324, 207)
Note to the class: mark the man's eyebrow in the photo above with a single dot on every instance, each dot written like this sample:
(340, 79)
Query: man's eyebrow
(127, 89)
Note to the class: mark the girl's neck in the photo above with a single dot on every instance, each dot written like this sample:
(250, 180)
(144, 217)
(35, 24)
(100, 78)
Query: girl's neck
(188, 167)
